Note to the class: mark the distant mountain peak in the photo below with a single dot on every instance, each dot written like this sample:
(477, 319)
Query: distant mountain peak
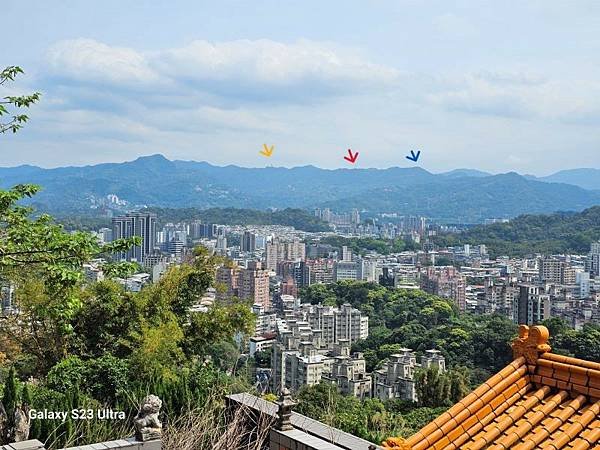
(457, 173)
(157, 157)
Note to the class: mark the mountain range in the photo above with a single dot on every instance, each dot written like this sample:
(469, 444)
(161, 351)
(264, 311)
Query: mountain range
(462, 195)
(584, 178)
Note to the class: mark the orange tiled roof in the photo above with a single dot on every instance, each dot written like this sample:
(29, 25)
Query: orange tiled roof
(539, 401)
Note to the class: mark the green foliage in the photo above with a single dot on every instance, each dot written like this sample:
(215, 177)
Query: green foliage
(17, 120)
(220, 322)
(105, 378)
(67, 374)
(369, 419)
(297, 218)
(363, 245)
(414, 319)
(441, 389)
(10, 396)
(263, 358)
(584, 344)
(531, 234)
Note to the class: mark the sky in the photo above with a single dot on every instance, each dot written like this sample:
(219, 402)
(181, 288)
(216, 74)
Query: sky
(496, 86)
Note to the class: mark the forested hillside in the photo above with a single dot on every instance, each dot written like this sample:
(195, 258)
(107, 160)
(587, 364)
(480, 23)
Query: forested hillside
(297, 218)
(530, 234)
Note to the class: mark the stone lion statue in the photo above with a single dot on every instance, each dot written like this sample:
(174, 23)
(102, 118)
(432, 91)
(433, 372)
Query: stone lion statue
(147, 424)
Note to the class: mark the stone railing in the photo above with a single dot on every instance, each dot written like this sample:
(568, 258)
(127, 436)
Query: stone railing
(293, 431)
(125, 444)
(148, 432)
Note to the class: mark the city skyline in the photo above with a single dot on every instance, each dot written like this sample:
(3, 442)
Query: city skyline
(221, 80)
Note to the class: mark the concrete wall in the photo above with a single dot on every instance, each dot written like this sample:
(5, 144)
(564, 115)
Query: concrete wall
(122, 444)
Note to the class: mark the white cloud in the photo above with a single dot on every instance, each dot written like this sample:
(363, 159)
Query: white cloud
(89, 60)
(270, 62)
(519, 95)
(260, 69)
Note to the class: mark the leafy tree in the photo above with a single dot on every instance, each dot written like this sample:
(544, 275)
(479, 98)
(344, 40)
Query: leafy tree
(220, 322)
(437, 389)
(532, 234)
(263, 358)
(107, 378)
(107, 316)
(10, 401)
(17, 119)
(66, 375)
(432, 386)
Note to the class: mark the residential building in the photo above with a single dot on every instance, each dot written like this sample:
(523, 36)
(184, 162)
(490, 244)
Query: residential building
(346, 270)
(533, 305)
(141, 225)
(250, 283)
(348, 372)
(446, 282)
(555, 270)
(278, 250)
(248, 242)
(395, 380)
(254, 284)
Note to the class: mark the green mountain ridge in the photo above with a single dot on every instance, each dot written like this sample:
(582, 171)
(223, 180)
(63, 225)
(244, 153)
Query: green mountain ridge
(559, 233)
(463, 195)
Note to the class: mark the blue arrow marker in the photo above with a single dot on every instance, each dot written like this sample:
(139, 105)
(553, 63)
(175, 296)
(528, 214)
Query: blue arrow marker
(414, 157)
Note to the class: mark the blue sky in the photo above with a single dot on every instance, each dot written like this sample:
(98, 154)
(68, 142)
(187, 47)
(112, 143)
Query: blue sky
(498, 86)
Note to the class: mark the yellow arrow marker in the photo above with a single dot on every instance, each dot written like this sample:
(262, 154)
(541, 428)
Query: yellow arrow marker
(268, 151)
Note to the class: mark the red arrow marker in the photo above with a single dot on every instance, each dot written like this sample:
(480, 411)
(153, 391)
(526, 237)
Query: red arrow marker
(351, 158)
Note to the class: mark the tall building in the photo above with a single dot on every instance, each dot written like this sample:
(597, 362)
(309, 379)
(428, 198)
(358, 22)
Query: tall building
(278, 251)
(594, 259)
(248, 284)
(175, 247)
(136, 224)
(346, 270)
(533, 305)
(254, 284)
(320, 270)
(289, 287)
(446, 282)
(228, 279)
(346, 253)
(554, 270)
(248, 243)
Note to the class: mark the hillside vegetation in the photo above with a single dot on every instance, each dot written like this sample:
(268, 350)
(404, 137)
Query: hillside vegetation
(297, 218)
(154, 181)
(530, 234)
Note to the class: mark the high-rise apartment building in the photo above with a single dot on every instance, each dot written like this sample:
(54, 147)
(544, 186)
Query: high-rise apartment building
(346, 270)
(554, 270)
(593, 263)
(446, 282)
(278, 250)
(320, 270)
(228, 280)
(254, 284)
(248, 243)
(136, 224)
(248, 284)
(533, 305)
